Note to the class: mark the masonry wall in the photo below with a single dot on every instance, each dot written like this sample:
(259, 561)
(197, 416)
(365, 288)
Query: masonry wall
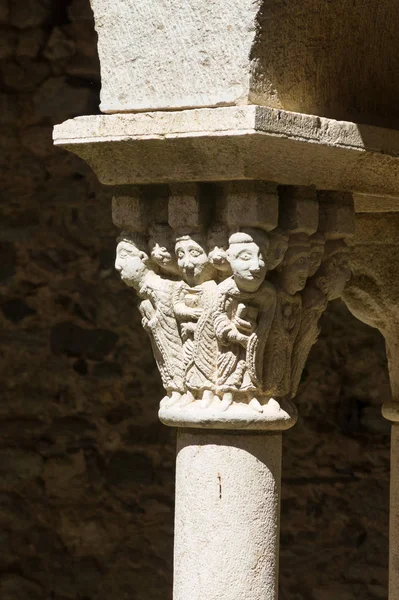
(86, 470)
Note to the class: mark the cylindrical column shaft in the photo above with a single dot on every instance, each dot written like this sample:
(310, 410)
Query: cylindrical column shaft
(394, 516)
(227, 515)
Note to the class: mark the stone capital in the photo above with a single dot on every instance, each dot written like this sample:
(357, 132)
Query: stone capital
(373, 291)
(232, 285)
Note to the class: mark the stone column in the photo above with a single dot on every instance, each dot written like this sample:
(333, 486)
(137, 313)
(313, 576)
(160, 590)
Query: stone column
(372, 296)
(233, 278)
(227, 515)
(232, 251)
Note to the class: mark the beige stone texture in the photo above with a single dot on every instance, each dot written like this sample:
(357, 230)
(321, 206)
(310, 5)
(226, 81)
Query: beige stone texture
(251, 204)
(185, 211)
(235, 143)
(299, 209)
(336, 215)
(372, 296)
(131, 213)
(159, 55)
(374, 203)
(273, 416)
(373, 291)
(295, 56)
(227, 516)
(78, 376)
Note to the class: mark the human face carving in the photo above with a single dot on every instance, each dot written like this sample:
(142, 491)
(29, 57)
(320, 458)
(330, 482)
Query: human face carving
(317, 242)
(162, 254)
(130, 263)
(334, 274)
(193, 261)
(248, 265)
(294, 270)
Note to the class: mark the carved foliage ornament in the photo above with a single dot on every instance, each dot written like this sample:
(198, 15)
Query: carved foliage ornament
(232, 313)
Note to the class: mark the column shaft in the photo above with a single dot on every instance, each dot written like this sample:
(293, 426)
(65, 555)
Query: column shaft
(394, 516)
(227, 515)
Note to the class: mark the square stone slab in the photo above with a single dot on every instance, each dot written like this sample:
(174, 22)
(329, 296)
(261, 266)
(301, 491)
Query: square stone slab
(236, 143)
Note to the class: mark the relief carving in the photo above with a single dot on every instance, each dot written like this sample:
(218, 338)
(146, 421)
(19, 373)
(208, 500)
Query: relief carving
(232, 315)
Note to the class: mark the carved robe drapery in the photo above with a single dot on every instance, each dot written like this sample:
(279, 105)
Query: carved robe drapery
(193, 306)
(279, 347)
(243, 313)
(159, 320)
(314, 303)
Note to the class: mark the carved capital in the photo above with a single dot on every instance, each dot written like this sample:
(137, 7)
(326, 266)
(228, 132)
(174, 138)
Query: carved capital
(373, 291)
(233, 279)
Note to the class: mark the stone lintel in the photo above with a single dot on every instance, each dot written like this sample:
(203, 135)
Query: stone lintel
(236, 143)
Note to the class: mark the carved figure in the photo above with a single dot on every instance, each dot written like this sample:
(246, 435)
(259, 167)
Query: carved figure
(158, 319)
(243, 312)
(290, 278)
(327, 284)
(278, 239)
(335, 271)
(317, 242)
(218, 243)
(161, 245)
(192, 305)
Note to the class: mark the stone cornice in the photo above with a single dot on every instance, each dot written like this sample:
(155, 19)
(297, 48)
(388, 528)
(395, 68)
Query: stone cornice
(232, 143)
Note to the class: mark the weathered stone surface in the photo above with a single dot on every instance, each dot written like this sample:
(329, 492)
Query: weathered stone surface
(206, 64)
(157, 55)
(235, 143)
(131, 212)
(103, 541)
(299, 209)
(250, 204)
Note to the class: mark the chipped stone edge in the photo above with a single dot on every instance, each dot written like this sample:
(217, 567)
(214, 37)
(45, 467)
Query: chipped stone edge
(227, 121)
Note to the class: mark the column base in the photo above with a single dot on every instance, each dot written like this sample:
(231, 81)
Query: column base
(271, 416)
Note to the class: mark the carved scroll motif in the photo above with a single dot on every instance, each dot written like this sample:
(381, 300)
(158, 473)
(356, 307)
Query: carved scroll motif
(233, 310)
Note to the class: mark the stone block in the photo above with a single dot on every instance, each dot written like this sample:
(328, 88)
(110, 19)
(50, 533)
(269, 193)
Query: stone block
(299, 211)
(159, 55)
(131, 213)
(336, 214)
(250, 204)
(186, 211)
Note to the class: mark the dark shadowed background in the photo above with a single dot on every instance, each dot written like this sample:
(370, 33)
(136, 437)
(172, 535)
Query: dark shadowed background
(86, 469)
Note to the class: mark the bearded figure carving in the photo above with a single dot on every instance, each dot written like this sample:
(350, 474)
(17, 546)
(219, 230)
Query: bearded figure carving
(192, 306)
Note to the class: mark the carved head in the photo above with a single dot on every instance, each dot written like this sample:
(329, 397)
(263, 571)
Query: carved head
(317, 243)
(217, 244)
(334, 271)
(246, 254)
(278, 247)
(132, 258)
(192, 259)
(293, 271)
(162, 248)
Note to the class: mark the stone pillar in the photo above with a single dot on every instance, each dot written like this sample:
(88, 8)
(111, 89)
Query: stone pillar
(227, 515)
(232, 280)
(234, 241)
(372, 296)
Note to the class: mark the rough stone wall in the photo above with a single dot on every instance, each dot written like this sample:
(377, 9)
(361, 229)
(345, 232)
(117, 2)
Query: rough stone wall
(86, 470)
